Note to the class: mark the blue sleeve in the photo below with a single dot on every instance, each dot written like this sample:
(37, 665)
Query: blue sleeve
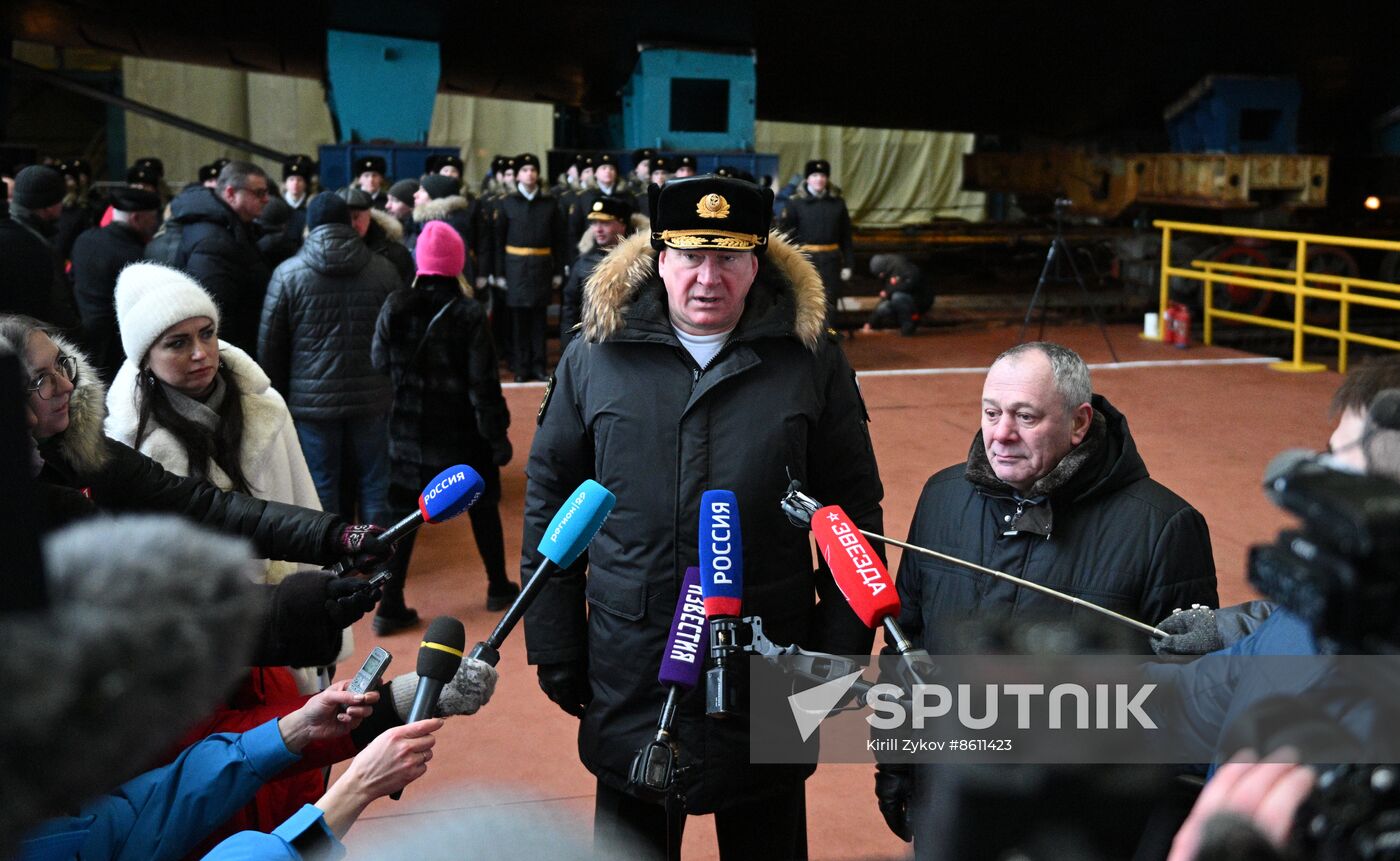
(305, 831)
(165, 812)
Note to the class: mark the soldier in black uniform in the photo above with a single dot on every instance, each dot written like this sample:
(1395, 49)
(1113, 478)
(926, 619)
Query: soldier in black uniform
(641, 171)
(297, 171)
(81, 206)
(684, 166)
(609, 219)
(660, 172)
(606, 186)
(99, 256)
(500, 183)
(530, 239)
(447, 165)
(817, 220)
(568, 190)
(369, 176)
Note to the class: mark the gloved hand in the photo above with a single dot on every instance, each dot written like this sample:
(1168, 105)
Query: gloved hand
(349, 598)
(501, 452)
(1193, 632)
(845, 273)
(481, 281)
(556, 280)
(468, 691)
(894, 786)
(358, 542)
(567, 685)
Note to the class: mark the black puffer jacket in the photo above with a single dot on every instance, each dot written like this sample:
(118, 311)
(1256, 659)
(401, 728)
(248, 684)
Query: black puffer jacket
(118, 478)
(1109, 534)
(221, 253)
(318, 325)
(629, 408)
(448, 406)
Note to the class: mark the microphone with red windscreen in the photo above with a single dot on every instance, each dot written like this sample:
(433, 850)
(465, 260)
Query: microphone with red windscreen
(859, 573)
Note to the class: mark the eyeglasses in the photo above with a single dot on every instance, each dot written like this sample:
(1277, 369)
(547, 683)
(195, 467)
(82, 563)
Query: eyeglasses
(46, 384)
(259, 193)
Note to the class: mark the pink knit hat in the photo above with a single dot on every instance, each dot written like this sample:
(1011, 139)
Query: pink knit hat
(440, 250)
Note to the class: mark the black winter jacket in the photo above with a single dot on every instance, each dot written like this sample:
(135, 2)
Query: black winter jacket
(318, 325)
(99, 256)
(629, 408)
(1115, 537)
(29, 281)
(812, 220)
(385, 238)
(448, 406)
(118, 478)
(571, 301)
(464, 215)
(221, 253)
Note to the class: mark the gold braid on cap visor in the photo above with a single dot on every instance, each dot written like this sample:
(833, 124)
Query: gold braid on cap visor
(705, 238)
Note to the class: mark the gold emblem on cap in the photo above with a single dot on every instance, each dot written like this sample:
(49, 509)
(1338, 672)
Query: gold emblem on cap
(597, 206)
(712, 206)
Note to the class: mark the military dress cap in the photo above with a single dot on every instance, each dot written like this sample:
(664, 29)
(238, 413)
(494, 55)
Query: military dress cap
(152, 164)
(219, 164)
(500, 163)
(680, 161)
(581, 160)
(355, 198)
(661, 162)
(710, 212)
(603, 158)
(126, 199)
(817, 166)
(525, 159)
(371, 164)
(448, 160)
(298, 165)
(641, 155)
(610, 209)
(732, 172)
(206, 172)
(144, 175)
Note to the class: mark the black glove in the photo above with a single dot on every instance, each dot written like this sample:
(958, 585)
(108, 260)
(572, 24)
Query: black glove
(894, 786)
(567, 685)
(359, 543)
(501, 452)
(349, 598)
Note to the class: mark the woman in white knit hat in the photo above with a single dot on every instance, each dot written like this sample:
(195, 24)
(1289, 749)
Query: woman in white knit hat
(197, 405)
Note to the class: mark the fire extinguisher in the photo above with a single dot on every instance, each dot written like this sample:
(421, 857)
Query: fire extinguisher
(1178, 326)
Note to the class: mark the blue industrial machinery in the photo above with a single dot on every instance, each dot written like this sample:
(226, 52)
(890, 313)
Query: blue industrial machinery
(1236, 114)
(689, 101)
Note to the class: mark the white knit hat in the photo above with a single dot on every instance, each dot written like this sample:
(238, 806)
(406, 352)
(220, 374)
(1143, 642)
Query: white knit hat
(150, 299)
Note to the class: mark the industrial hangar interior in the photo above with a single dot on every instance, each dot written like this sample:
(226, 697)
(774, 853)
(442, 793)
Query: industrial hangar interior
(229, 298)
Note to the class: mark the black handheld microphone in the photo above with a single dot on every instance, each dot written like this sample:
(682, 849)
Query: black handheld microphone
(722, 585)
(439, 656)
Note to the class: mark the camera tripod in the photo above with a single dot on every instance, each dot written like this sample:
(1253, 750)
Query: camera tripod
(1052, 273)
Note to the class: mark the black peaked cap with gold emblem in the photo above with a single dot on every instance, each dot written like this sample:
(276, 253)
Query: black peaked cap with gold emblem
(610, 209)
(710, 213)
(371, 164)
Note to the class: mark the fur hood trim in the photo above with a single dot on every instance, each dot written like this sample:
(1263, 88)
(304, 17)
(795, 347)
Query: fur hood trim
(438, 210)
(618, 278)
(801, 192)
(391, 225)
(83, 445)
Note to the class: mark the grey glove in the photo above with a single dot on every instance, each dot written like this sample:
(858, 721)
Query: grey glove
(1193, 632)
(894, 786)
(468, 691)
(566, 684)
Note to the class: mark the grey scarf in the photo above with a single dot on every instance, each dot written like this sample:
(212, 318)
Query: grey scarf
(204, 413)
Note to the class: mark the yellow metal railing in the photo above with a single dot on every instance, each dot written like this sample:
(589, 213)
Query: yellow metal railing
(1296, 282)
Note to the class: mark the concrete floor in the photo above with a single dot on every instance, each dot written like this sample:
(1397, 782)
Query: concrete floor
(1207, 421)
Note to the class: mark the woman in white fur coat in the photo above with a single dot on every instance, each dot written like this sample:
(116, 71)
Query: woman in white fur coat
(182, 394)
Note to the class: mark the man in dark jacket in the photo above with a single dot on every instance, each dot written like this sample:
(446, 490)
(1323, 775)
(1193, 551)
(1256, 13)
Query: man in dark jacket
(530, 239)
(605, 185)
(609, 220)
(314, 344)
(382, 232)
(904, 294)
(29, 275)
(99, 256)
(816, 219)
(218, 246)
(702, 366)
(1053, 491)
(440, 198)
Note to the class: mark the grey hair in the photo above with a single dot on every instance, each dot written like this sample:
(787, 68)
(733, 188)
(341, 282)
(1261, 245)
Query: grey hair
(1070, 373)
(236, 174)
